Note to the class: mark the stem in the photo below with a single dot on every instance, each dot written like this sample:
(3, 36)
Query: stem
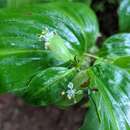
(93, 56)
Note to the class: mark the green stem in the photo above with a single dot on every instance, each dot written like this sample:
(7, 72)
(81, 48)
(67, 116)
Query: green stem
(90, 55)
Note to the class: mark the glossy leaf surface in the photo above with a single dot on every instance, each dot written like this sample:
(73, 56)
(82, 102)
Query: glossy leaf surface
(79, 30)
(35, 38)
(46, 87)
(18, 66)
(112, 98)
(116, 49)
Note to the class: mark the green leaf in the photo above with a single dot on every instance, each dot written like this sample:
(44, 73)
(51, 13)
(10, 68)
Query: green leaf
(116, 49)
(21, 3)
(91, 121)
(2, 3)
(56, 45)
(113, 98)
(38, 40)
(124, 16)
(88, 2)
(79, 29)
(18, 66)
(47, 86)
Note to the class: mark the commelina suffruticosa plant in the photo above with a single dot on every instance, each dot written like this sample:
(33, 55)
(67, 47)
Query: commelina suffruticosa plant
(48, 56)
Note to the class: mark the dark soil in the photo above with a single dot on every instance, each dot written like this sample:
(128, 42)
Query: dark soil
(16, 115)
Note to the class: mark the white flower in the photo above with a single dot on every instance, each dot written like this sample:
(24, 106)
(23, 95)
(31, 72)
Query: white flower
(71, 91)
(63, 93)
(70, 85)
(46, 35)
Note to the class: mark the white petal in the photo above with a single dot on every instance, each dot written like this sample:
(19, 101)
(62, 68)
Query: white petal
(70, 85)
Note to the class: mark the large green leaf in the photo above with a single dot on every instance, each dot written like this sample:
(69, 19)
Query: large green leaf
(124, 15)
(78, 29)
(36, 37)
(112, 100)
(117, 50)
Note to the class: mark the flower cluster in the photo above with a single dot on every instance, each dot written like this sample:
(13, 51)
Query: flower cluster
(45, 36)
(71, 92)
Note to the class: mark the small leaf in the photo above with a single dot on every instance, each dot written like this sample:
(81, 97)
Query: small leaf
(91, 121)
(49, 87)
(117, 50)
